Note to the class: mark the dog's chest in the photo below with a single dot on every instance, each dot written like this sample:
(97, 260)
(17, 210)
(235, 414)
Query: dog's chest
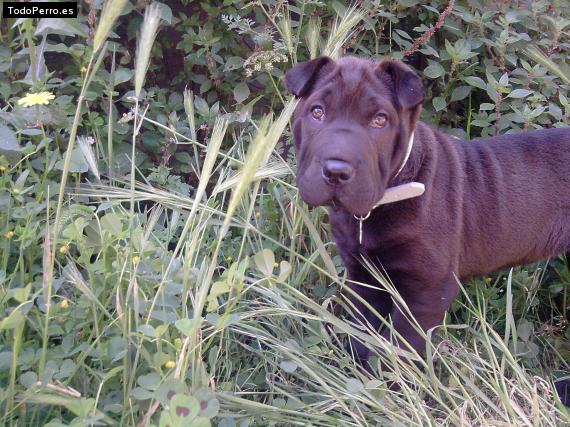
(356, 238)
(384, 239)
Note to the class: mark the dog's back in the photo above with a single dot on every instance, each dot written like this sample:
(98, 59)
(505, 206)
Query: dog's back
(516, 183)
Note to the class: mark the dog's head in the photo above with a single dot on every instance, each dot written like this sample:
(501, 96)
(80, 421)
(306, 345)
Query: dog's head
(352, 127)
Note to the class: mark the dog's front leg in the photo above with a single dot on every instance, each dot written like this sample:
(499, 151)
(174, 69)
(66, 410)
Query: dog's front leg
(427, 304)
(363, 284)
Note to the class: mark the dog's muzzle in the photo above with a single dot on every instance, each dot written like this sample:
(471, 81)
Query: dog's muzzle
(337, 172)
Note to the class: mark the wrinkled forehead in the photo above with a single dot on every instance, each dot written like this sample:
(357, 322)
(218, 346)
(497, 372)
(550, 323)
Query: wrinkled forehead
(354, 85)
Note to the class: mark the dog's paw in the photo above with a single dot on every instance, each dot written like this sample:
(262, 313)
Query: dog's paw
(563, 390)
(359, 350)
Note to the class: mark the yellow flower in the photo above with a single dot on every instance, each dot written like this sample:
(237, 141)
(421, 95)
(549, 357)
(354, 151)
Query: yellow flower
(9, 235)
(257, 214)
(275, 265)
(488, 280)
(83, 70)
(40, 98)
(229, 259)
(63, 250)
(170, 364)
(2, 168)
(136, 259)
(64, 303)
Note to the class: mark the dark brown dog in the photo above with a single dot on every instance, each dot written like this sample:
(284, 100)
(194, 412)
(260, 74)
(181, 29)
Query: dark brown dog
(488, 203)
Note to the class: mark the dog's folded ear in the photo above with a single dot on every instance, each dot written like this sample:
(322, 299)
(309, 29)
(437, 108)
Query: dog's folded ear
(405, 84)
(301, 78)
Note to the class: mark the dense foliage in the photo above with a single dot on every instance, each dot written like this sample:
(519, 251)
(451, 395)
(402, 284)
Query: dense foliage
(152, 272)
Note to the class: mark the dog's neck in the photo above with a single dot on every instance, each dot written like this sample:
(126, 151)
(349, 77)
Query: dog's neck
(400, 189)
(408, 152)
(403, 185)
(410, 168)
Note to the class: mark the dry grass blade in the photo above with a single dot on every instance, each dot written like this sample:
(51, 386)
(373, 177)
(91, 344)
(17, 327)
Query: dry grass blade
(218, 134)
(313, 35)
(143, 192)
(189, 109)
(285, 27)
(146, 40)
(316, 238)
(342, 31)
(561, 71)
(269, 171)
(89, 155)
(72, 274)
(263, 143)
(109, 15)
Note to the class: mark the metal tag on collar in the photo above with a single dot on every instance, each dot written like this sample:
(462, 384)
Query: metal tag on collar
(392, 195)
(361, 219)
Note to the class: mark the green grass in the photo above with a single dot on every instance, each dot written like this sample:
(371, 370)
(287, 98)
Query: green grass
(153, 308)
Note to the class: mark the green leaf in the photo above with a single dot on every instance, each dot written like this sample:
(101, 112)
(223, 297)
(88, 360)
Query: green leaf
(477, 82)
(28, 379)
(354, 386)
(139, 393)
(20, 294)
(123, 75)
(241, 92)
(233, 63)
(434, 71)
(187, 326)
(460, 93)
(5, 360)
(150, 381)
(519, 93)
(209, 405)
(225, 321)
(284, 271)
(201, 106)
(408, 3)
(439, 103)
(14, 319)
(264, 261)
(504, 80)
(9, 143)
(453, 53)
(184, 408)
(201, 422)
(78, 164)
(486, 106)
(147, 330)
(81, 407)
(112, 223)
(165, 419)
(289, 366)
(168, 389)
(62, 26)
(481, 123)
(525, 329)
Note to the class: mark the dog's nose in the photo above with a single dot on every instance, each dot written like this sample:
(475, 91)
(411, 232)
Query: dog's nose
(337, 172)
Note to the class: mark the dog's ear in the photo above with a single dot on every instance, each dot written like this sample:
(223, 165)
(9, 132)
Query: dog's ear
(405, 84)
(301, 78)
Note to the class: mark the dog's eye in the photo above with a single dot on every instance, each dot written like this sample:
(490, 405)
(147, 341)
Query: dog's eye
(317, 112)
(379, 121)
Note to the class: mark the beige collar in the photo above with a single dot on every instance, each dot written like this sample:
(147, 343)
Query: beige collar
(407, 156)
(397, 193)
